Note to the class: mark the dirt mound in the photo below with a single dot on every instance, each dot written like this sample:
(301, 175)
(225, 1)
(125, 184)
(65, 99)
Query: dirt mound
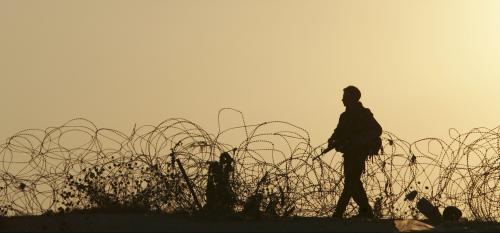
(134, 222)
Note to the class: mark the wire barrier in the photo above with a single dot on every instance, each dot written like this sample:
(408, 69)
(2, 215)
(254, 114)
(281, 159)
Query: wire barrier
(166, 168)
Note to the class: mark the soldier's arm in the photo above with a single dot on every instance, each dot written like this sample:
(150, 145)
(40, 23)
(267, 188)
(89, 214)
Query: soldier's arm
(338, 133)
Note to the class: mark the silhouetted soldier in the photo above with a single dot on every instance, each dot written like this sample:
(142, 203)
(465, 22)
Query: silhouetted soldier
(220, 196)
(357, 136)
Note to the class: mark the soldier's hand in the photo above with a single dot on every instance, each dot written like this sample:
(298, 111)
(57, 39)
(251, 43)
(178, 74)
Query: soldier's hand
(331, 142)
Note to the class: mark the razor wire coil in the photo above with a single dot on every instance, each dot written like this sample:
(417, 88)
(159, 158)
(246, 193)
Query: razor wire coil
(80, 166)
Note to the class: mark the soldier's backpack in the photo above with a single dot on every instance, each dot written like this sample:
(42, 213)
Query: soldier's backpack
(375, 146)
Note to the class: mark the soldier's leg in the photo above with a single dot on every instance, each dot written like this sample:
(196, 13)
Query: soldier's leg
(346, 192)
(360, 197)
(343, 200)
(357, 190)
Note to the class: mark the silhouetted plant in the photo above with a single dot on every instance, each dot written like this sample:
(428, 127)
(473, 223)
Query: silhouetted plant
(125, 186)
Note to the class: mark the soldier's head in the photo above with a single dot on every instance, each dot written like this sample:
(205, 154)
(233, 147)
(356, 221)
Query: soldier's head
(351, 96)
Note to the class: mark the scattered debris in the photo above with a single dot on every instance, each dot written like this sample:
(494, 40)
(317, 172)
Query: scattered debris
(452, 213)
(429, 210)
(411, 196)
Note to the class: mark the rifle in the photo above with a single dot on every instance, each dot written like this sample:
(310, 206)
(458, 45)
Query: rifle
(328, 149)
(332, 144)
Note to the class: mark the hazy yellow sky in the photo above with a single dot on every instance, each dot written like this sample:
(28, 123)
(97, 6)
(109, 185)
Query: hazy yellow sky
(422, 66)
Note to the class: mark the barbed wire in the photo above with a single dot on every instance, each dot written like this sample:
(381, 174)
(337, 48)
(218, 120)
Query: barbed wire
(80, 166)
